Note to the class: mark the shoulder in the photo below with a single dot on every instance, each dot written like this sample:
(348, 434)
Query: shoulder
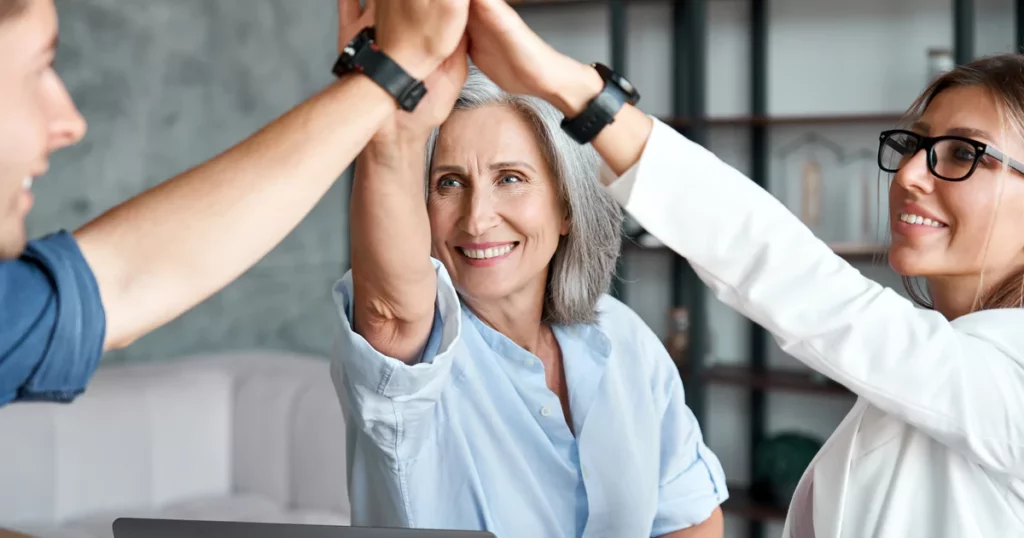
(52, 306)
(1001, 328)
(629, 334)
(616, 318)
(48, 265)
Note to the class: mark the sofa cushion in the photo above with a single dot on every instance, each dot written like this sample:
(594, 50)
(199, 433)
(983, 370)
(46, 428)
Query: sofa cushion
(137, 437)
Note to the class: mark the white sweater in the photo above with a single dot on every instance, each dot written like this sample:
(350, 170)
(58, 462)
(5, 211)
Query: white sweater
(934, 446)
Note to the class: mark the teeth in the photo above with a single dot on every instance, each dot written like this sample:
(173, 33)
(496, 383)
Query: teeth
(27, 183)
(484, 254)
(910, 218)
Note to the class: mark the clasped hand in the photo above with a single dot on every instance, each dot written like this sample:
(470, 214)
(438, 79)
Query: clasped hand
(433, 40)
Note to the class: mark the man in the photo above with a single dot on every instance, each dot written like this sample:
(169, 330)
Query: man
(68, 297)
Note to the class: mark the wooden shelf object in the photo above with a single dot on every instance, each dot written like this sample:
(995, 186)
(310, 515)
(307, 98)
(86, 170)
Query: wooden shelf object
(517, 3)
(848, 251)
(781, 380)
(527, 3)
(860, 251)
(740, 503)
(762, 121)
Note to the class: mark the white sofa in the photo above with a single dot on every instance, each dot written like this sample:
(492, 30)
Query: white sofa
(242, 437)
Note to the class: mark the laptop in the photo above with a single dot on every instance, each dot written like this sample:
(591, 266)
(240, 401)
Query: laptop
(126, 527)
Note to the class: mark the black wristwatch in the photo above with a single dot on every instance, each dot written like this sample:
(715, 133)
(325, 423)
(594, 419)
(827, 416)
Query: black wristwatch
(602, 109)
(362, 55)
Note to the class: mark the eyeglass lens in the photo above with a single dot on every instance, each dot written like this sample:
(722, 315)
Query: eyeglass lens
(948, 158)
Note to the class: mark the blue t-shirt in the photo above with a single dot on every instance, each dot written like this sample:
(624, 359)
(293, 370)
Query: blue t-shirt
(52, 323)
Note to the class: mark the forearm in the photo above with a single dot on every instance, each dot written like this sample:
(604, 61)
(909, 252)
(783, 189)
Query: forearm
(712, 527)
(162, 252)
(394, 282)
(622, 142)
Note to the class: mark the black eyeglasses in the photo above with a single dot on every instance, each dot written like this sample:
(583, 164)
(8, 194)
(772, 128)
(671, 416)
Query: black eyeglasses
(953, 158)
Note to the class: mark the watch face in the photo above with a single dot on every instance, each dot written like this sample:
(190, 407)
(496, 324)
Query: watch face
(626, 85)
(620, 81)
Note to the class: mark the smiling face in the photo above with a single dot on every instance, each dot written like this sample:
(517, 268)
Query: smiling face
(940, 228)
(495, 214)
(36, 114)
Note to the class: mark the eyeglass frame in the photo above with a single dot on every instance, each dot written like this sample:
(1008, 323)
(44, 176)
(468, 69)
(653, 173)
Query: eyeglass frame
(927, 143)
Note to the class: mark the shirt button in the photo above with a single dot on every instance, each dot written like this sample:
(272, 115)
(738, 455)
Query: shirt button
(528, 362)
(545, 411)
(586, 472)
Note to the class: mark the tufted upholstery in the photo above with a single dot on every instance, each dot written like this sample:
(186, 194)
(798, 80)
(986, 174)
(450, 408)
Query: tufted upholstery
(248, 437)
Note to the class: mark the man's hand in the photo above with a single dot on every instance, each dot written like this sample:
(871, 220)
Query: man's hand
(443, 85)
(420, 34)
(517, 59)
(352, 19)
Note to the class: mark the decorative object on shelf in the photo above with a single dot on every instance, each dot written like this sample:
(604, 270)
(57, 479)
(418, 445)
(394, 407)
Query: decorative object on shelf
(810, 193)
(872, 193)
(678, 344)
(779, 463)
(939, 61)
(839, 194)
(818, 199)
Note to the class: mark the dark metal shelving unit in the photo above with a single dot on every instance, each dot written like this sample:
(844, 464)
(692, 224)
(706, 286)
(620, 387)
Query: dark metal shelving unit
(689, 118)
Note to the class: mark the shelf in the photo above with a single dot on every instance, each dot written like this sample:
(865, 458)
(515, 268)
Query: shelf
(518, 3)
(847, 251)
(528, 3)
(742, 504)
(781, 380)
(859, 251)
(737, 121)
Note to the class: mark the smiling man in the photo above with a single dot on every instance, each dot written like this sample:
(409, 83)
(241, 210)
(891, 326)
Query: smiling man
(67, 297)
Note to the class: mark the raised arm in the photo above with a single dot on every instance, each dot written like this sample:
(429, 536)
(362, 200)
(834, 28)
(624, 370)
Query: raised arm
(394, 280)
(400, 313)
(162, 252)
(962, 382)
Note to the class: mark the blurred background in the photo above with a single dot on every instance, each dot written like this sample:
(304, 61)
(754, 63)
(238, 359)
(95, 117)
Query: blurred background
(791, 92)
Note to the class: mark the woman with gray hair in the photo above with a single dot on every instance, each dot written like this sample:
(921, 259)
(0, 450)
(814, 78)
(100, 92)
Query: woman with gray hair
(487, 380)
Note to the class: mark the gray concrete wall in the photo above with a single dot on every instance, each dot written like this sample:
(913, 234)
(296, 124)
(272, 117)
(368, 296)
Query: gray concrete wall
(167, 84)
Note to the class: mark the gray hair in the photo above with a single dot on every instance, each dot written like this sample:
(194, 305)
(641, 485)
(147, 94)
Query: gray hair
(584, 261)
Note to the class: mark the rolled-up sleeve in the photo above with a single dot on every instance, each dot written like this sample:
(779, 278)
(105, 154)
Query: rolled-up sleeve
(692, 482)
(52, 322)
(386, 398)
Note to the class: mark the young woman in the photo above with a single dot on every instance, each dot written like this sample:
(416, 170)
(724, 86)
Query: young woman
(935, 444)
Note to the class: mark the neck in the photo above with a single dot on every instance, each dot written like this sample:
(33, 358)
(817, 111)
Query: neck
(517, 316)
(960, 295)
(952, 298)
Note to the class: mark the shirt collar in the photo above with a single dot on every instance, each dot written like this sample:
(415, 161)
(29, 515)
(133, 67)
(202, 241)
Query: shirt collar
(589, 334)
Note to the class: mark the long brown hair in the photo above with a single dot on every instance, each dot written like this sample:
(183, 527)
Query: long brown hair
(1003, 77)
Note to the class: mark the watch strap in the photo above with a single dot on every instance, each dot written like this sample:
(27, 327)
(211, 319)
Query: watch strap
(601, 110)
(362, 55)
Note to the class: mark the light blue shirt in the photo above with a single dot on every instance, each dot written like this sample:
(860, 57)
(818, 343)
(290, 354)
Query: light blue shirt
(472, 438)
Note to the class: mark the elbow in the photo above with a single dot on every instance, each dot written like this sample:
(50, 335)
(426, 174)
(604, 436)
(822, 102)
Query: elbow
(400, 340)
(113, 341)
